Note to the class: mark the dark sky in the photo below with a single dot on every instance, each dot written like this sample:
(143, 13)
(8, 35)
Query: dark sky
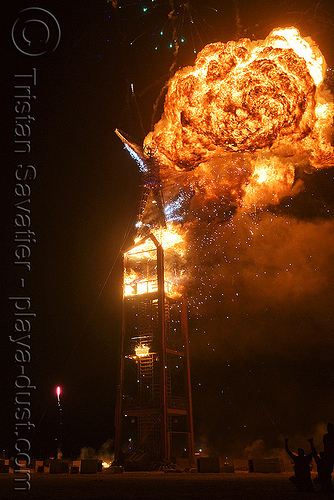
(262, 360)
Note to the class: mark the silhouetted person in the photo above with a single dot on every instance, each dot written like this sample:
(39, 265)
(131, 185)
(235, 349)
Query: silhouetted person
(328, 441)
(324, 469)
(302, 478)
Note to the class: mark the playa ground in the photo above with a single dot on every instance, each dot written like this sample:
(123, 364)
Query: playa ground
(156, 486)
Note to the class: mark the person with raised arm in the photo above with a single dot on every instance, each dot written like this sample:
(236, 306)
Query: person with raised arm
(302, 478)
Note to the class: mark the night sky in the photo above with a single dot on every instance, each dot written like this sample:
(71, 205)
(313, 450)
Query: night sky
(262, 346)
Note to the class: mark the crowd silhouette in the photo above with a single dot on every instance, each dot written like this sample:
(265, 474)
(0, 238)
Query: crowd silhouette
(324, 461)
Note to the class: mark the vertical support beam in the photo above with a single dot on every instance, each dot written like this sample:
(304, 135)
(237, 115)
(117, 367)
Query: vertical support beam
(119, 400)
(163, 374)
(184, 326)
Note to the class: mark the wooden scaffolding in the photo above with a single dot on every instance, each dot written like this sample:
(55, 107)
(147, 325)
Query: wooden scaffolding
(154, 424)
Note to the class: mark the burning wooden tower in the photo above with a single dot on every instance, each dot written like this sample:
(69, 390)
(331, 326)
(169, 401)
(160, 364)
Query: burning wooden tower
(154, 409)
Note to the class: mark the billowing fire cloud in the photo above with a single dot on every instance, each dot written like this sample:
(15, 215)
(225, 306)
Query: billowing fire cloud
(237, 124)
(238, 129)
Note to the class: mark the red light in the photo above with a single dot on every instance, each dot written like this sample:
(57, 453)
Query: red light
(58, 390)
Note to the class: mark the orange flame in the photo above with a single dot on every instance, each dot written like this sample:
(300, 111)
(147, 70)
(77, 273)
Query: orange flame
(237, 124)
(142, 350)
(143, 279)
